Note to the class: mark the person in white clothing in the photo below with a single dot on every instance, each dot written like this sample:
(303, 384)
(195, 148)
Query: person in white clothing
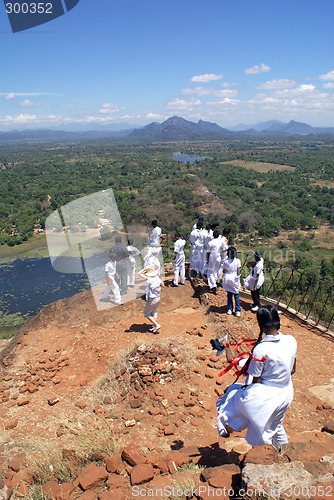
(223, 252)
(213, 259)
(133, 254)
(111, 277)
(156, 234)
(255, 280)
(200, 219)
(153, 290)
(231, 280)
(197, 248)
(207, 237)
(260, 406)
(179, 260)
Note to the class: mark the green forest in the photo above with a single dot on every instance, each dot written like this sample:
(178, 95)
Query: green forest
(281, 205)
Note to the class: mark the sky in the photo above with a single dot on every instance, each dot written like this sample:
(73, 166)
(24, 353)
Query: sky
(117, 63)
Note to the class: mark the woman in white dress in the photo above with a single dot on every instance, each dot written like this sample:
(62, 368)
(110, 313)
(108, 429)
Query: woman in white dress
(260, 406)
(231, 281)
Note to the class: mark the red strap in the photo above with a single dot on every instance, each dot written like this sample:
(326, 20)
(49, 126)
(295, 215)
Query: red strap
(233, 363)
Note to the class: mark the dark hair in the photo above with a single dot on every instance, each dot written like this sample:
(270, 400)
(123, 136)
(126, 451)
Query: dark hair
(118, 239)
(216, 233)
(226, 231)
(257, 256)
(215, 224)
(112, 255)
(154, 222)
(267, 316)
(231, 252)
(208, 226)
(178, 235)
(130, 242)
(199, 225)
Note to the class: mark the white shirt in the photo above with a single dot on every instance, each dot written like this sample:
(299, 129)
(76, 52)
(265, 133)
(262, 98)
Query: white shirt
(155, 236)
(231, 280)
(110, 268)
(197, 237)
(153, 287)
(132, 251)
(224, 247)
(280, 353)
(214, 249)
(258, 272)
(179, 246)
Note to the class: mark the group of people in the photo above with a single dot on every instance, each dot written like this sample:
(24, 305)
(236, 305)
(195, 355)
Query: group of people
(260, 403)
(212, 257)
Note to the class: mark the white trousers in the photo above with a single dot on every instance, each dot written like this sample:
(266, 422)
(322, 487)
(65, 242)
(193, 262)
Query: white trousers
(132, 272)
(213, 272)
(115, 289)
(179, 268)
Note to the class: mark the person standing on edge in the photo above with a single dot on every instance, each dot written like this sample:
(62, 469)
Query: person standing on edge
(179, 260)
(156, 234)
(133, 253)
(197, 248)
(255, 280)
(153, 290)
(122, 264)
(213, 258)
(110, 278)
(231, 280)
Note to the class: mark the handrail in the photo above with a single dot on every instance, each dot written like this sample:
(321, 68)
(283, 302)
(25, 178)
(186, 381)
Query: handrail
(313, 299)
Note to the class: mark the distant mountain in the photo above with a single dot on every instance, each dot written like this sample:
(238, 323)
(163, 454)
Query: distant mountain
(46, 135)
(173, 129)
(276, 127)
(176, 128)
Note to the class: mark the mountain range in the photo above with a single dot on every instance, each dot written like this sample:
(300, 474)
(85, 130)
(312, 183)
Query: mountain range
(172, 129)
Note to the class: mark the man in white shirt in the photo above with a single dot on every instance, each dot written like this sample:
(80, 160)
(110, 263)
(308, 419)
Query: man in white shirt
(214, 259)
(197, 248)
(156, 234)
(179, 260)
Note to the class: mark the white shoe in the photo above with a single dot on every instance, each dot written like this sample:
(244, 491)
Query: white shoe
(255, 308)
(229, 311)
(155, 328)
(237, 313)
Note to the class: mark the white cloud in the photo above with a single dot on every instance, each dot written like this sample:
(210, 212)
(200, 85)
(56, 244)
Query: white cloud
(282, 83)
(202, 91)
(181, 104)
(329, 85)
(21, 119)
(263, 68)
(108, 108)
(27, 103)
(10, 96)
(328, 76)
(155, 116)
(206, 78)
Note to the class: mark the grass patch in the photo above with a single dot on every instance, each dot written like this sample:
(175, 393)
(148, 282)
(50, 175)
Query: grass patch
(258, 166)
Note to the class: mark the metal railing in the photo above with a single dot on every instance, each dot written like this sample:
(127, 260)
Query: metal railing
(304, 295)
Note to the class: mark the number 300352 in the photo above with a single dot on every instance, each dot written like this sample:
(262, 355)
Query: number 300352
(28, 8)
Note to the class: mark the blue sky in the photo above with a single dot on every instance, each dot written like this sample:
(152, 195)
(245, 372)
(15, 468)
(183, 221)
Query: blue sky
(137, 61)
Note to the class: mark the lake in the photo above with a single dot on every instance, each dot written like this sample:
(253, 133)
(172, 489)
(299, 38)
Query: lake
(26, 285)
(188, 158)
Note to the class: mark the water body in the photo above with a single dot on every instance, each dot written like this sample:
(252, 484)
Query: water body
(26, 285)
(189, 158)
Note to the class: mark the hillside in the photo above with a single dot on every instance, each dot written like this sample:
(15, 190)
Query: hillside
(68, 381)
